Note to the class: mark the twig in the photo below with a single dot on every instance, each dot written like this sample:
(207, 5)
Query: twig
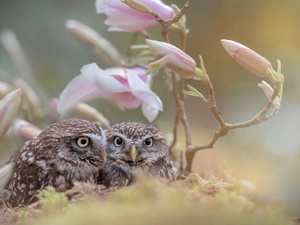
(226, 127)
(165, 24)
(211, 101)
(179, 99)
(174, 133)
(262, 115)
(181, 162)
(185, 123)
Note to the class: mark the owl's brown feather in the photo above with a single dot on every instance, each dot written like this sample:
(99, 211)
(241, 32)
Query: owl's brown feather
(54, 158)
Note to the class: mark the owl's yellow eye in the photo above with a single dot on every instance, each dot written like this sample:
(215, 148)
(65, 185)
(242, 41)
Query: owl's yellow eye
(118, 141)
(149, 142)
(83, 142)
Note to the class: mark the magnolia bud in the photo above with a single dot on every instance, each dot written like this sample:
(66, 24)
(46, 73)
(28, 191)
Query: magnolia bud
(25, 130)
(90, 37)
(9, 106)
(5, 88)
(33, 99)
(90, 113)
(173, 58)
(247, 57)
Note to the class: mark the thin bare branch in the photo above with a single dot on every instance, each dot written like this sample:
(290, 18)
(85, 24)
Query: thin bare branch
(211, 101)
(176, 123)
(225, 127)
(166, 24)
(262, 115)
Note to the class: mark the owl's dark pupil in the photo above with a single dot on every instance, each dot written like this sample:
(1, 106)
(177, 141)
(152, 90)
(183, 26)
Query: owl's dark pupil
(83, 141)
(148, 142)
(119, 141)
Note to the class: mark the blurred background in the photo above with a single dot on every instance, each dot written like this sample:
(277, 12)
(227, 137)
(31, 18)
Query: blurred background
(267, 154)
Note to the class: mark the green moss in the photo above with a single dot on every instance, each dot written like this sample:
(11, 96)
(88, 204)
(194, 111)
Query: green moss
(153, 201)
(51, 200)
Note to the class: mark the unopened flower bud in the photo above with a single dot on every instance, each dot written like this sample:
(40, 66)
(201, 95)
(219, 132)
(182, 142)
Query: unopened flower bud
(9, 106)
(51, 109)
(83, 33)
(90, 37)
(25, 130)
(173, 58)
(247, 58)
(90, 113)
(33, 99)
(5, 88)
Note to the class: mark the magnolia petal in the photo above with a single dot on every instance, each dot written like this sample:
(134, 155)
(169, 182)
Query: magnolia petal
(149, 112)
(173, 57)
(5, 174)
(9, 106)
(182, 69)
(135, 21)
(138, 6)
(126, 100)
(81, 88)
(93, 82)
(103, 78)
(160, 49)
(116, 11)
(141, 91)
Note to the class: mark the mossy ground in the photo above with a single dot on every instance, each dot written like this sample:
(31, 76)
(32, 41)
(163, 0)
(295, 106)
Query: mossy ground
(150, 201)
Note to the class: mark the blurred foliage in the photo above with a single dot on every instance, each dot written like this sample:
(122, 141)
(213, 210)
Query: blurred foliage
(192, 201)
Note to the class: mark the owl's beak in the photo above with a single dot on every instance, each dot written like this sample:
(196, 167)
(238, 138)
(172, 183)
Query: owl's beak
(103, 155)
(133, 153)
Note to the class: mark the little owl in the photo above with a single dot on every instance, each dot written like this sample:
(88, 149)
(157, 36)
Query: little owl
(133, 147)
(67, 151)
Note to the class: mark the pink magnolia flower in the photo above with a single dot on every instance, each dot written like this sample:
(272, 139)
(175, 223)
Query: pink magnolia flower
(173, 58)
(9, 106)
(120, 17)
(126, 87)
(247, 58)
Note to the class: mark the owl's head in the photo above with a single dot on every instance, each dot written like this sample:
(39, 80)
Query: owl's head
(135, 145)
(73, 141)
